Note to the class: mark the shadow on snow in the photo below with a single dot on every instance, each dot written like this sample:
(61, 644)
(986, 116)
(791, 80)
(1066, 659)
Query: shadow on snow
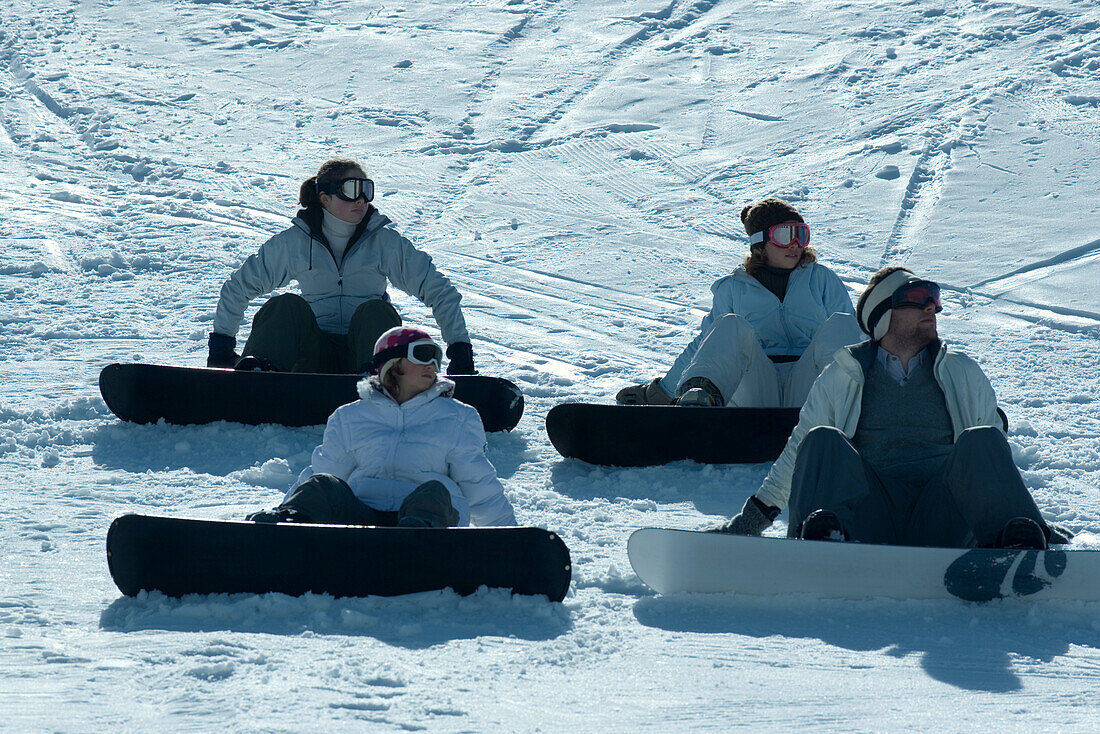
(968, 646)
(414, 621)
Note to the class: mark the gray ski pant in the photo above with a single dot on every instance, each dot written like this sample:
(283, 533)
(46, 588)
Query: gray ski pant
(965, 505)
(328, 500)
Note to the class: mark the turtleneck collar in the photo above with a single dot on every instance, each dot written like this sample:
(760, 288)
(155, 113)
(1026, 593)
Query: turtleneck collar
(337, 232)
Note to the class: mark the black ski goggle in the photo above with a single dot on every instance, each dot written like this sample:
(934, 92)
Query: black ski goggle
(917, 294)
(349, 189)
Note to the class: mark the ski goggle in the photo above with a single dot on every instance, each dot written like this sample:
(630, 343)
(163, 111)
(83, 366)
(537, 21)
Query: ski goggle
(349, 189)
(423, 351)
(783, 235)
(917, 294)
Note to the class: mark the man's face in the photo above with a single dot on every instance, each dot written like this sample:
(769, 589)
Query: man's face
(916, 326)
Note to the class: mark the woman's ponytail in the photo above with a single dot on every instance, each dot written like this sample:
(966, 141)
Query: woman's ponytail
(307, 195)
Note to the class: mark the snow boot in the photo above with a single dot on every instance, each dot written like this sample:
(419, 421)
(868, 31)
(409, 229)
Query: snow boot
(252, 363)
(699, 392)
(1022, 533)
(649, 393)
(278, 514)
(822, 525)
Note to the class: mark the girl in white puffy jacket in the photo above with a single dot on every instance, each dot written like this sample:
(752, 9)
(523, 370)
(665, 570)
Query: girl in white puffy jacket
(407, 453)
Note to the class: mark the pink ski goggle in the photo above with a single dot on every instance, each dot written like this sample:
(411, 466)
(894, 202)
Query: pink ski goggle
(783, 235)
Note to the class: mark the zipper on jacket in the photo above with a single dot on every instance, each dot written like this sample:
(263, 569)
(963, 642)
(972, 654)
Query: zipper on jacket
(400, 431)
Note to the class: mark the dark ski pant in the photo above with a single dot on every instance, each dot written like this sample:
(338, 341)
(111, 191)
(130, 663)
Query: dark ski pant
(328, 500)
(965, 505)
(285, 332)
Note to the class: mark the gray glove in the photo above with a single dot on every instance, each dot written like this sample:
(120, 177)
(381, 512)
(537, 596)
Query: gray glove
(755, 517)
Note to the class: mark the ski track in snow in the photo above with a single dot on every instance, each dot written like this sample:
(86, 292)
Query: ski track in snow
(578, 172)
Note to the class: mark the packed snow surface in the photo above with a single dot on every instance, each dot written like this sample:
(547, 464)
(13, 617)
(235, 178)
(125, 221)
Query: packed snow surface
(577, 169)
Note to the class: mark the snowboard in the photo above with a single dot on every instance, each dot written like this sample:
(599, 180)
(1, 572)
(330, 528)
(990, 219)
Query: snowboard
(179, 556)
(146, 393)
(671, 561)
(648, 435)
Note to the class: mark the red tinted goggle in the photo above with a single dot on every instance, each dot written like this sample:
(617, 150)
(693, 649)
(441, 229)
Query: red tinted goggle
(783, 235)
(349, 189)
(917, 294)
(424, 351)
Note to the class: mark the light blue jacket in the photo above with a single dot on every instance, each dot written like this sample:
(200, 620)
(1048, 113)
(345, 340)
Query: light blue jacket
(814, 293)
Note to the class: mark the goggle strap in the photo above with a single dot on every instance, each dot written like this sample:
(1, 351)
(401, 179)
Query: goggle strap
(757, 237)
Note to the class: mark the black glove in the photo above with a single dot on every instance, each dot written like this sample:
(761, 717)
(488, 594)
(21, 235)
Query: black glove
(460, 359)
(755, 517)
(1058, 534)
(221, 351)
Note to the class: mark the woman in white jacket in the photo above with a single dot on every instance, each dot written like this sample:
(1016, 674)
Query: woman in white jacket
(405, 454)
(342, 252)
(773, 326)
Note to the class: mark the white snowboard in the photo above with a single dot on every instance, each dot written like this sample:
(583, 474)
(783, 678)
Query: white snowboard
(671, 561)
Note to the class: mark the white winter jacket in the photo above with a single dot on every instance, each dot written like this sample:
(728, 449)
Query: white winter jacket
(384, 451)
(837, 398)
(814, 293)
(335, 289)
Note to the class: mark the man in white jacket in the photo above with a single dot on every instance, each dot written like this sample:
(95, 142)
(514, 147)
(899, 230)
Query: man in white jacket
(899, 442)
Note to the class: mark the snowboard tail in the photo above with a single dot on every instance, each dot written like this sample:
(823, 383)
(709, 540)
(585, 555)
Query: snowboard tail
(179, 556)
(649, 435)
(146, 393)
(671, 561)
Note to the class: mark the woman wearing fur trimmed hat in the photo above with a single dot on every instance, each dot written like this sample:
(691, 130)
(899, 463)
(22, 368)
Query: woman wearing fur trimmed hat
(406, 453)
(773, 326)
(342, 252)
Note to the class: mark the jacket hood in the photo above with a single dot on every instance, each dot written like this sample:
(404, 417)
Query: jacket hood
(370, 388)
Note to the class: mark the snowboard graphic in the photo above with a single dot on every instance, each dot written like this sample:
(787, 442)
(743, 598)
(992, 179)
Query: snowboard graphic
(146, 393)
(182, 556)
(671, 561)
(648, 435)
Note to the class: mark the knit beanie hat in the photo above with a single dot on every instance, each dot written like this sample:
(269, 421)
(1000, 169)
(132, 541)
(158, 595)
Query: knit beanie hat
(874, 306)
(763, 214)
(385, 354)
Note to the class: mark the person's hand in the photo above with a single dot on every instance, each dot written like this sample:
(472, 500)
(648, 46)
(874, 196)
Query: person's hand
(221, 351)
(755, 517)
(1059, 534)
(460, 359)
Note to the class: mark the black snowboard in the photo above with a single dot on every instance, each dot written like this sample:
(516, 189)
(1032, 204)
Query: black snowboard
(180, 556)
(648, 435)
(146, 393)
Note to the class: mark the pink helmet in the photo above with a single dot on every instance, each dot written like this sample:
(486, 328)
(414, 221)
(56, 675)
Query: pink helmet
(408, 342)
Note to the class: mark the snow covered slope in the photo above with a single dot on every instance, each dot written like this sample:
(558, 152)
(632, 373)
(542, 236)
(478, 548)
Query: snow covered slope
(577, 169)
